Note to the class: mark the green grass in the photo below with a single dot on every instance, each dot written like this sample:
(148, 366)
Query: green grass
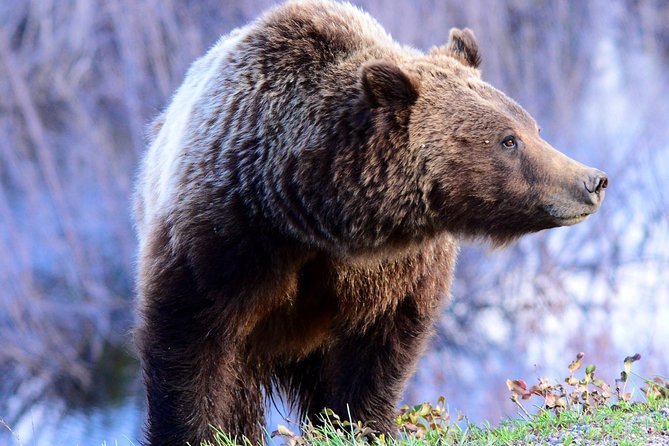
(625, 424)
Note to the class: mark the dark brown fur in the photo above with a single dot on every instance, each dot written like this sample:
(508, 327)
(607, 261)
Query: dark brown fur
(308, 242)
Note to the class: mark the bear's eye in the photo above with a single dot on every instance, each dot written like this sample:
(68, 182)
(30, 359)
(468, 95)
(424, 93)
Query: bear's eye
(509, 142)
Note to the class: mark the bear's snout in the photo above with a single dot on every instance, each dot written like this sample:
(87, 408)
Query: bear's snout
(595, 183)
(581, 196)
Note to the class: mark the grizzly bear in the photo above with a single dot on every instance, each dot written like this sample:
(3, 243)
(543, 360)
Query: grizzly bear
(299, 209)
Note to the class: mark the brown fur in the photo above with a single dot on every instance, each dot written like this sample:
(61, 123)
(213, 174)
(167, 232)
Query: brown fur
(307, 242)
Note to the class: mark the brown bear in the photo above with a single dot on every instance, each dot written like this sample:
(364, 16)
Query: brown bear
(299, 209)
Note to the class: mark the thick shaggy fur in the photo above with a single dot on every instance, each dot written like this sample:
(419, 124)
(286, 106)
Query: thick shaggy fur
(297, 213)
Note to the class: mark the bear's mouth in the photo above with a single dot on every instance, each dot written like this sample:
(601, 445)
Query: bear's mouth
(568, 221)
(566, 217)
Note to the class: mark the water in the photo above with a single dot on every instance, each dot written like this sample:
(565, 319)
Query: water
(113, 424)
(110, 412)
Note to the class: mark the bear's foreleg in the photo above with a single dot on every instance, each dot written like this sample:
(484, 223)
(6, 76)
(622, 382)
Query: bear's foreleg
(366, 372)
(193, 388)
(195, 371)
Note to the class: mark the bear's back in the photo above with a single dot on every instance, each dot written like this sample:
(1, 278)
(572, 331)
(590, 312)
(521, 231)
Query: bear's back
(271, 74)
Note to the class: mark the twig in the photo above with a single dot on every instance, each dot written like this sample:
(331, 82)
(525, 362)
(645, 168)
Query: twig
(44, 156)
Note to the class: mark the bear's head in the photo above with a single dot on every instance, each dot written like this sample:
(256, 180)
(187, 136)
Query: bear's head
(483, 168)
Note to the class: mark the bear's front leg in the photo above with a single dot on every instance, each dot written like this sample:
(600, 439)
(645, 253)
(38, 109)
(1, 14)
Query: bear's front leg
(195, 367)
(196, 384)
(366, 371)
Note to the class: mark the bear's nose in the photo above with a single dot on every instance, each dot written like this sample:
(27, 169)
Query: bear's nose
(596, 182)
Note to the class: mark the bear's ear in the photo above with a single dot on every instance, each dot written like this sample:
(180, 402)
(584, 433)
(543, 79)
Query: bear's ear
(463, 46)
(386, 84)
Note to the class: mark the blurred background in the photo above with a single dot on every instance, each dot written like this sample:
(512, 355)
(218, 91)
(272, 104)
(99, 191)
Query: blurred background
(80, 80)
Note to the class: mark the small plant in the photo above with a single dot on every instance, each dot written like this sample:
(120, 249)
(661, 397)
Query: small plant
(657, 389)
(624, 377)
(423, 418)
(585, 393)
(331, 426)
